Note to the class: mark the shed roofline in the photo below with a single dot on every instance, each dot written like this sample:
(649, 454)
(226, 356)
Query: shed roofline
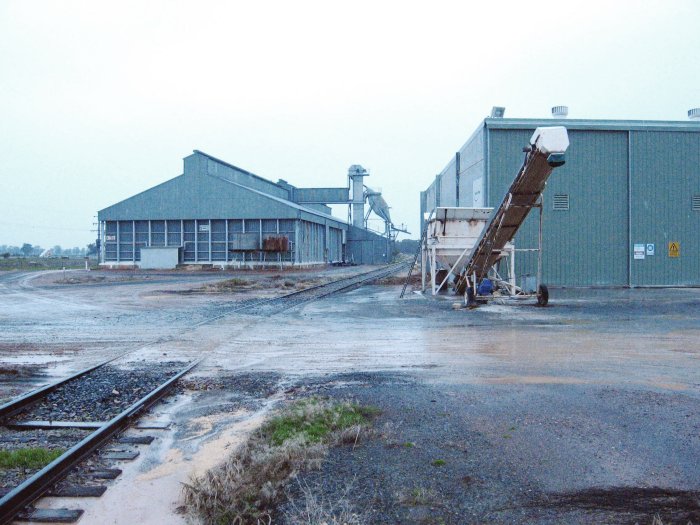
(286, 202)
(103, 210)
(583, 124)
(212, 157)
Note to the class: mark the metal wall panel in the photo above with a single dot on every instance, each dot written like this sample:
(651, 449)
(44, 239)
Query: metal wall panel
(199, 164)
(448, 184)
(665, 176)
(335, 245)
(472, 171)
(472, 174)
(430, 199)
(588, 243)
(322, 195)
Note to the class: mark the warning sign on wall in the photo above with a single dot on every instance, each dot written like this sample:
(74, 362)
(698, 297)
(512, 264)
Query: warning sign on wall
(674, 249)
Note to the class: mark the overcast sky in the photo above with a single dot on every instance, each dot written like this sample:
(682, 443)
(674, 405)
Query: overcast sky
(101, 100)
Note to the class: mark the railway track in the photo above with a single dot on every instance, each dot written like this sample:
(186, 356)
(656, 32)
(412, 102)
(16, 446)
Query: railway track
(13, 503)
(276, 305)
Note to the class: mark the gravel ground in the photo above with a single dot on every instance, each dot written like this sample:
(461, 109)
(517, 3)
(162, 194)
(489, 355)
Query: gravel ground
(98, 396)
(455, 454)
(101, 394)
(232, 391)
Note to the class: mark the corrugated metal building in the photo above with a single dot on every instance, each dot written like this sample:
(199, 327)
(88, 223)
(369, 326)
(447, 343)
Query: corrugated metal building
(217, 213)
(628, 196)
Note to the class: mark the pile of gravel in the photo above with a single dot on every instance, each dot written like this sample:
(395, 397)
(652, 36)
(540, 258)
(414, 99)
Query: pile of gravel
(101, 394)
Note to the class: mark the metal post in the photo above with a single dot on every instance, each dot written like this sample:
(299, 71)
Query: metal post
(457, 170)
(432, 269)
(226, 243)
(539, 250)
(133, 242)
(119, 241)
(211, 259)
(422, 267)
(102, 235)
(242, 231)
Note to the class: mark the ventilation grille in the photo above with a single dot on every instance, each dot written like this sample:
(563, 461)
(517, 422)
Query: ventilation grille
(561, 201)
(696, 202)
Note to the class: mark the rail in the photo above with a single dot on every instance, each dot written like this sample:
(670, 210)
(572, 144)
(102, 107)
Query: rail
(35, 486)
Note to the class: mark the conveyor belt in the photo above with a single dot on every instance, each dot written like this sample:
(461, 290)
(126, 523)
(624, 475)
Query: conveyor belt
(546, 152)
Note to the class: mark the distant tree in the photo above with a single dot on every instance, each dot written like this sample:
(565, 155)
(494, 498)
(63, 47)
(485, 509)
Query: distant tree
(27, 249)
(407, 246)
(92, 249)
(6, 255)
(57, 250)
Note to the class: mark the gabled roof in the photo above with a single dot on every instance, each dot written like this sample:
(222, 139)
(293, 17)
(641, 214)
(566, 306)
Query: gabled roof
(209, 197)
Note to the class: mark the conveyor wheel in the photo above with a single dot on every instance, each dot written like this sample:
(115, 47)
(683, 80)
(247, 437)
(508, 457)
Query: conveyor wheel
(471, 301)
(542, 295)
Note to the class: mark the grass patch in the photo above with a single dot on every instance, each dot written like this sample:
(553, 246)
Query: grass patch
(29, 458)
(419, 497)
(313, 420)
(250, 484)
(43, 263)
(438, 463)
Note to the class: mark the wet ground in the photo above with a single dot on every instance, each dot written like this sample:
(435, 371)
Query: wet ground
(584, 411)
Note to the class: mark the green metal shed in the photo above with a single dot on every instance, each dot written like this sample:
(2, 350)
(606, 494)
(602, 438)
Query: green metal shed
(625, 184)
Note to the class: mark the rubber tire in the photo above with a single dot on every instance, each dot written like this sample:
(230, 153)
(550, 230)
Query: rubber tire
(542, 295)
(471, 303)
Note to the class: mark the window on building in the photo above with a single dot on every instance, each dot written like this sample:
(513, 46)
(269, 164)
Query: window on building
(696, 202)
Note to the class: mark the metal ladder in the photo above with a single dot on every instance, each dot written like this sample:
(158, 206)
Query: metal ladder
(415, 258)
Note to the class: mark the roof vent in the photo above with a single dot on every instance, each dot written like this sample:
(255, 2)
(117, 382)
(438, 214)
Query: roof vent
(498, 112)
(694, 114)
(560, 111)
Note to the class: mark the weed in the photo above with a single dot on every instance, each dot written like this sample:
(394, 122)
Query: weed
(419, 497)
(317, 510)
(409, 444)
(233, 283)
(29, 458)
(438, 463)
(249, 485)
